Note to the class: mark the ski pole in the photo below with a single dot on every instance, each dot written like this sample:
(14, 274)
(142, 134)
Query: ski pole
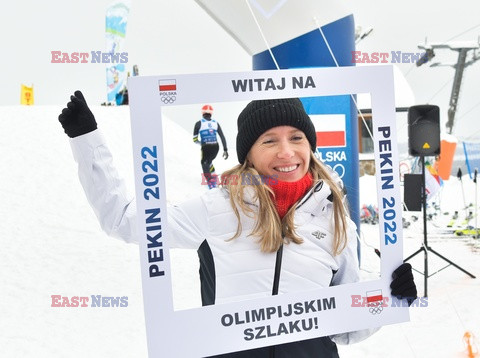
(475, 181)
(459, 176)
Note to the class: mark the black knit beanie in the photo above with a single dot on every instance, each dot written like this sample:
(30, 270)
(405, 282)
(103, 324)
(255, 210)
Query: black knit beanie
(259, 116)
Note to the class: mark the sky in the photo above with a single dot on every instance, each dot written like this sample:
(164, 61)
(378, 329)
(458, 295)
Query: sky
(176, 37)
(402, 26)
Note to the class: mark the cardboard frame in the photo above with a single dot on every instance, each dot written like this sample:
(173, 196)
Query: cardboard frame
(220, 328)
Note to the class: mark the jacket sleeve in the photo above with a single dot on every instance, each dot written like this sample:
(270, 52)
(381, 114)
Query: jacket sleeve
(222, 137)
(349, 272)
(196, 130)
(347, 260)
(116, 210)
(188, 223)
(104, 188)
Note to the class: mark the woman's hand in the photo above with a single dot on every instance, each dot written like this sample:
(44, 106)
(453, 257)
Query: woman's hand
(403, 286)
(77, 119)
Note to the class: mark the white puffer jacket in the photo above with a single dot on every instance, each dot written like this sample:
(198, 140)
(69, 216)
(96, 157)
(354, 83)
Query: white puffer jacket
(241, 270)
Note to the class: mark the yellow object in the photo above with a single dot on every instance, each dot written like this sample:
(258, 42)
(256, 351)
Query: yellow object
(26, 96)
(426, 146)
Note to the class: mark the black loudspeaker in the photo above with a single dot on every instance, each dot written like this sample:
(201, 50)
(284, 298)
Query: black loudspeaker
(424, 130)
(412, 191)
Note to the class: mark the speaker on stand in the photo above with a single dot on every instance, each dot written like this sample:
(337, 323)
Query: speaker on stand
(424, 130)
(424, 140)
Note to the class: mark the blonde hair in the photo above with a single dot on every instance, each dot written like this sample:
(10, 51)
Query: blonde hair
(269, 228)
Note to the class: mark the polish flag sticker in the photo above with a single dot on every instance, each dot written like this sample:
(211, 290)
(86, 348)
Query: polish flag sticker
(374, 297)
(330, 130)
(167, 85)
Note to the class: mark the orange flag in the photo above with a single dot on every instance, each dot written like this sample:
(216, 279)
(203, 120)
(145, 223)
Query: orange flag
(447, 152)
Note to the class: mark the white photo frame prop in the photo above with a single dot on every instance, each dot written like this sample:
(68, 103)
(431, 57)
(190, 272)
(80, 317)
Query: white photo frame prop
(261, 322)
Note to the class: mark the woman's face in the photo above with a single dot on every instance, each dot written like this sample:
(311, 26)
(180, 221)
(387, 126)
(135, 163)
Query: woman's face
(282, 152)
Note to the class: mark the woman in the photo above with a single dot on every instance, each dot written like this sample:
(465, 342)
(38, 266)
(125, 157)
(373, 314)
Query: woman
(284, 226)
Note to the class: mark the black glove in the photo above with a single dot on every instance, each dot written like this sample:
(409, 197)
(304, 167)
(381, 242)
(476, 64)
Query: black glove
(225, 155)
(402, 284)
(77, 119)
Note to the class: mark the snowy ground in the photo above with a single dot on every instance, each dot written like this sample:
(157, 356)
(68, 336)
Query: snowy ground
(51, 244)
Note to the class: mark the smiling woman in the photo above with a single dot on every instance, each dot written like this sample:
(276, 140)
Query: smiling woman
(276, 139)
(283, 151)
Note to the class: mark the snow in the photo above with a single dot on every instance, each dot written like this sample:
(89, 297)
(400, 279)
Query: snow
(53, 245)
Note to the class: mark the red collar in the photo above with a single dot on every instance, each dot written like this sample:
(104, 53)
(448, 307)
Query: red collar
(288, 193)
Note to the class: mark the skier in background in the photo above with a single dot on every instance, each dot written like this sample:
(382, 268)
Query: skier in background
(208, 128)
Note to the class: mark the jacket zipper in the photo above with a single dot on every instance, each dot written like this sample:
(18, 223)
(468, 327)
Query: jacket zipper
(276, 283)
(278, 267)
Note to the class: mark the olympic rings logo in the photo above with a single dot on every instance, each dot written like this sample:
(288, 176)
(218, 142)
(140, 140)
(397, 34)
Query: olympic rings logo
(167, 99)
(376, 307)
(339, 168)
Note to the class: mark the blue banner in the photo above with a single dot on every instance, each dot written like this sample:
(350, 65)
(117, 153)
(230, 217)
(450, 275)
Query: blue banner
(472, 157)
(115, 31)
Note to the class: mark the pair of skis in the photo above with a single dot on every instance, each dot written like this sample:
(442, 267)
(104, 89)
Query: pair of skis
(457, 221)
